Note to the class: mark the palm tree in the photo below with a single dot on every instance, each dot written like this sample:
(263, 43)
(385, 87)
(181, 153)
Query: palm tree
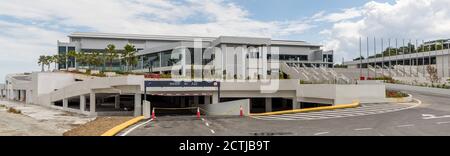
(56, 59)
(95, 59)
(41, 61)
(129, 55)
(111, 54)
(62, 59)
(48, 61)
(82, 58)
(74, 55)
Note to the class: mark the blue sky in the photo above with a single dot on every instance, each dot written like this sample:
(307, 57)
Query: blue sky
(30, 28)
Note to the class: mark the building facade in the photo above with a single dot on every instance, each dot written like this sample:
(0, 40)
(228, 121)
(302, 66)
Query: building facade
(190, 56)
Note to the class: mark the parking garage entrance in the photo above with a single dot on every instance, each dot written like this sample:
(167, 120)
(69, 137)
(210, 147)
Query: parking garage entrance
(182, 102)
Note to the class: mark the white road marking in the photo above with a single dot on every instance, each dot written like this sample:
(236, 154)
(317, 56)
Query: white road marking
(446, 122)
(410, 125)
(337, 113)
(203, 119)
(132, 129)
(321, 133)
(207, 124)
(430, 116)
(363, 129)
(212, 131)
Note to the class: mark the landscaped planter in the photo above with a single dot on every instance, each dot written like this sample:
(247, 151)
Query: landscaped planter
(82, 70)
(110, 74)
(71, 69)
(401, 100)
(93, 72)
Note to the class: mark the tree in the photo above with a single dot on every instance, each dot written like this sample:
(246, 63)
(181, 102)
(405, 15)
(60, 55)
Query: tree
(74, 55)
(93, 59)
(82, 58)
(111, 54)
(129, 56)
(432, 71)
(48, 61)
(57, 59)
(41, 61)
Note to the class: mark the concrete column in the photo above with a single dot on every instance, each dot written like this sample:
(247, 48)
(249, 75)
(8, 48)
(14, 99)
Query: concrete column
(146, 109)
(65, 103)
(268, 104)
(207, 100)
(215, 99)
(117, 102)
(92, 103)
(82, 103)
(295, 104)
(137, 105)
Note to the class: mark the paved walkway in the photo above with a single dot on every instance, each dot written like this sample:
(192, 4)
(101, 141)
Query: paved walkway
(37, 120)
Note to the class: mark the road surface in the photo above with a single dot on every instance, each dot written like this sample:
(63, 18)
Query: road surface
(431, 117)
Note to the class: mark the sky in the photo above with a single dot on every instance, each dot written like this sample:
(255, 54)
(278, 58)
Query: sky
(30, 28)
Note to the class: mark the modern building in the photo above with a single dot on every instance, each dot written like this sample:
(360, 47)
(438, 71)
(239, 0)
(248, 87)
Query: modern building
(409, 64)
(248, 72)
(159, 54)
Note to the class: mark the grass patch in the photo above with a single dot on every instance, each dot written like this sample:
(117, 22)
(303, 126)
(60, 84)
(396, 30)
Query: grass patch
(97, 127)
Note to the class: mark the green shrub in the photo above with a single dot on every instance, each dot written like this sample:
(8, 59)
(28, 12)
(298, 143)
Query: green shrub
(305, 82)
(395, 94)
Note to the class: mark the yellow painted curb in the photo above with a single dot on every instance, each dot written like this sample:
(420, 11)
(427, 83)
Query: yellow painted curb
(353, 105)
(118, 128)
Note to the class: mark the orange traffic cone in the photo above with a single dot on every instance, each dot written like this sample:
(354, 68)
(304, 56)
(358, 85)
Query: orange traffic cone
(242, 112)
(153, 114)
(198, 113)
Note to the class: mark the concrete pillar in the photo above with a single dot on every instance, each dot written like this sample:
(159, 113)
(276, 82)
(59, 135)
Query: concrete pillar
(268, 104)
(65, 103)
(92, 103)
(117, 102)
(137, 105)
(215, 99)
(82, 103)
(295, 104)
(207, 100)
(146, 109)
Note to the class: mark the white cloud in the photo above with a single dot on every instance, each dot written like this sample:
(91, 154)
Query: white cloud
(340, 16)
(405, 19)
(31, 28)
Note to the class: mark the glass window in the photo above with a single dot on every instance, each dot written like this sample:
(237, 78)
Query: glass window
(62, 50)
(71, 49)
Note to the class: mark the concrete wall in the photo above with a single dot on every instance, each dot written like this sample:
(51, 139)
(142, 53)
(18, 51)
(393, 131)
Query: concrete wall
(443, 65)
(342, 94)
(228, 108)
(44, 83)
(427, 90)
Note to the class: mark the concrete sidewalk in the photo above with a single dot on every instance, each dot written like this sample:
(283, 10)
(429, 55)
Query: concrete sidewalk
(56, 120)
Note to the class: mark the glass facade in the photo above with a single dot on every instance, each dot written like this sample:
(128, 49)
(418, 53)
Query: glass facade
(290, 57)
(62, 50)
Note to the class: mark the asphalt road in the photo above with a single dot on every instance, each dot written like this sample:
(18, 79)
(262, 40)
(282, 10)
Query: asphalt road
(431, 118)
